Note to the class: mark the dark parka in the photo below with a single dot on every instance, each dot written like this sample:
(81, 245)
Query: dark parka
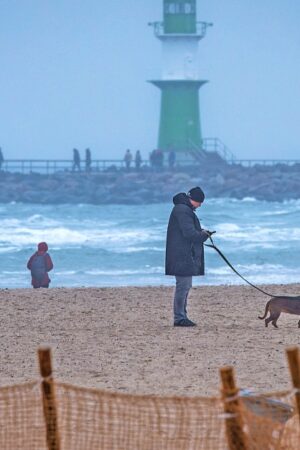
(184, 252)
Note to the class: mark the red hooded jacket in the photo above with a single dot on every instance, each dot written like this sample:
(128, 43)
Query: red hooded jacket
(43, 280)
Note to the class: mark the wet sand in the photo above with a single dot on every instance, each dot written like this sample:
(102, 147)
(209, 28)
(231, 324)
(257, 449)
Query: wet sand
(123, 338)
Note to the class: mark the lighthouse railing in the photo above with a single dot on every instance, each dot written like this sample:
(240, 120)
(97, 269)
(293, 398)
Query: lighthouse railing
(216, 145)
(201, 28)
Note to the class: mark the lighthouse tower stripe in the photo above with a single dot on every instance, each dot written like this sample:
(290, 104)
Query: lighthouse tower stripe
(179, 56)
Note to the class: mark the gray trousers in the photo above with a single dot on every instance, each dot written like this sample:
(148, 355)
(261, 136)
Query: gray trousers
(183, 285)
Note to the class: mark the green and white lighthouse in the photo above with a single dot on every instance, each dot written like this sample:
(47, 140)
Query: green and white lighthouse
(179, 33)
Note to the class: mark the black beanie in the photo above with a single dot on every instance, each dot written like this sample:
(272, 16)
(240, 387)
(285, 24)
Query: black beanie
(196, 194)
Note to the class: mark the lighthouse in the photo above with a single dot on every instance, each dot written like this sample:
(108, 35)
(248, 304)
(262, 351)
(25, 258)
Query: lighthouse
(179, 34)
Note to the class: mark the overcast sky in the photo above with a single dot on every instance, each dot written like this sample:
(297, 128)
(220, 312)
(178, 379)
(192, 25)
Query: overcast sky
(73, 74)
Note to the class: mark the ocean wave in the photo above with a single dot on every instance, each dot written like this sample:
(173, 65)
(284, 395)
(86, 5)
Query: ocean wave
(253, 269)
(249, 199)
(39, 219)
(8, 249)
(286, 213)
(149, 277)
(293, 202)
(141, 249)
(14, 272)
(116, 273)
(255, 233)
(255, 274)
(35, 219)
(65, 272)
(10, 223)
(48, 222)
(228, 200)
(61, 235)
(279, 212)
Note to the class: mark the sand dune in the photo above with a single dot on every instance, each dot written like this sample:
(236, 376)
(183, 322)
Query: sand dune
(123, 338)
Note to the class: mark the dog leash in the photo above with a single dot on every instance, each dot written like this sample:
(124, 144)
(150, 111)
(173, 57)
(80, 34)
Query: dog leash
(212, 245)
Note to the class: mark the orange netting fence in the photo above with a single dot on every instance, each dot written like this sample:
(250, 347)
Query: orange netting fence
(58, 416)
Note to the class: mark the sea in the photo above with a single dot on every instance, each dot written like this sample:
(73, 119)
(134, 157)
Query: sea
(124, 245)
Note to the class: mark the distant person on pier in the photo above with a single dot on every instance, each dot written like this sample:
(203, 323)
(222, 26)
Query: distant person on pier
(159, 159)
(40, 263)
(128, 159)
(88, 160)
(138, 160)
(184, 250)
(76, 160)
(171, 159)
(153, 159)
(1, 158)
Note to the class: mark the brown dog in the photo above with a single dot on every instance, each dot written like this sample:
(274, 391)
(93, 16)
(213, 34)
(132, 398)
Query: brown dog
(277, 305)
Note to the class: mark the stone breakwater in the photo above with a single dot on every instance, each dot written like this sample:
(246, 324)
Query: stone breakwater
(271, 183)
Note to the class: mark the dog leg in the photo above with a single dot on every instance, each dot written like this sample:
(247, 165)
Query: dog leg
(267, 321)
(274, 317)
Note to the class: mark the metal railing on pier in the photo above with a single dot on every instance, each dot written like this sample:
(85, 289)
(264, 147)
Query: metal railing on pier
(263, 162)
(51, 166)
(212, 144)
(48, 166)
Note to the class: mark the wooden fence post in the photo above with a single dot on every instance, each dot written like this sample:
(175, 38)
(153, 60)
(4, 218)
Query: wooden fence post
(236, 437)
(293, 357)
(49, 404)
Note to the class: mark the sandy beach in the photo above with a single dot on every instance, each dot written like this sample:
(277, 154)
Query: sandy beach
(123, 338)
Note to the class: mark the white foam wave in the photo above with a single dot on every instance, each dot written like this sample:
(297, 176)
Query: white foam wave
(65, 272)
(8, 249)
(228, 227)
(142, 249)
(278, 212)
(229, 200)
(38, 219)
(249, 199)
(116, 273)
(256, 234)
(14, 272)
(25, 236)
(35, 219)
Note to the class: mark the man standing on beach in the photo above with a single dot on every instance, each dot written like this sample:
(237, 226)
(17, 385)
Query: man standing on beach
(184, 250)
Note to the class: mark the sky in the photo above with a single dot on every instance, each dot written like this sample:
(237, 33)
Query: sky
(74, 74)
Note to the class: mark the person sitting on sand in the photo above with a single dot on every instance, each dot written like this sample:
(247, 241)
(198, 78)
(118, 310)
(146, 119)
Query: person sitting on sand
(40, 263)
(184, 250)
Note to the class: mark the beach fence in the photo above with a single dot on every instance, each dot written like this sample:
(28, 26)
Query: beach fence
(50, 415)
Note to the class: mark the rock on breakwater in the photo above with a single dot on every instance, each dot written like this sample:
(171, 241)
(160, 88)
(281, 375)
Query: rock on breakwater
(272, 183)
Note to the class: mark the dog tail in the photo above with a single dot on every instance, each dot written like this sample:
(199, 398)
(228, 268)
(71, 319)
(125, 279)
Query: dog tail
(266, 310)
